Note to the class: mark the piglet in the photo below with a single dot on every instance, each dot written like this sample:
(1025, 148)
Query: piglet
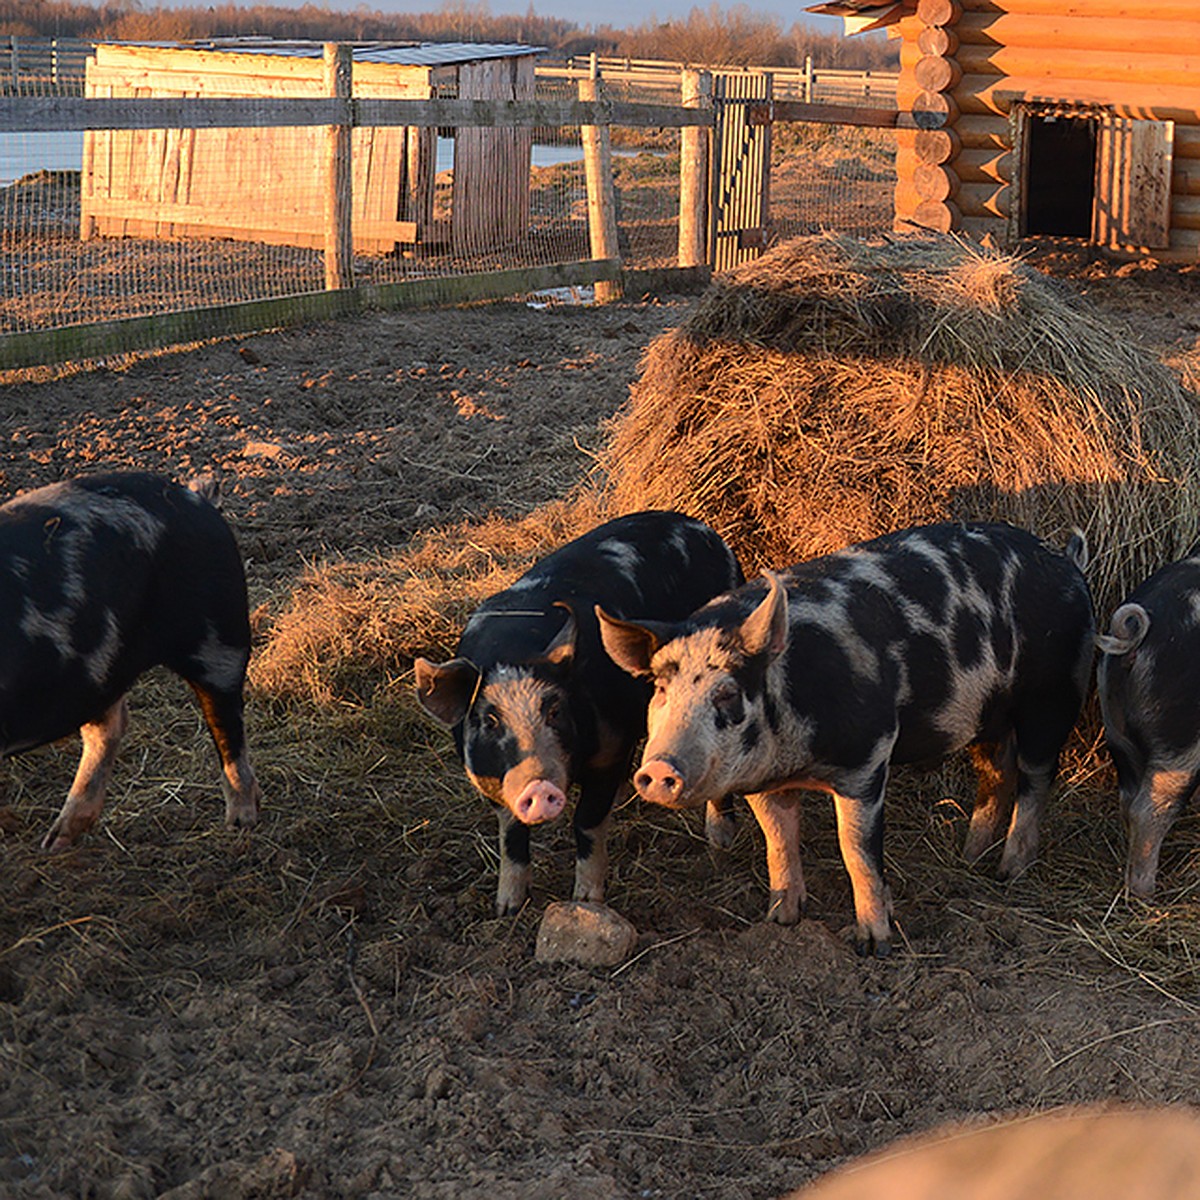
(101, 578)
(536, 705)
(1147, 680)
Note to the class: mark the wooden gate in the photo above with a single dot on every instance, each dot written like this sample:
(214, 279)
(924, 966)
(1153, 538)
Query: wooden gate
(741, 170)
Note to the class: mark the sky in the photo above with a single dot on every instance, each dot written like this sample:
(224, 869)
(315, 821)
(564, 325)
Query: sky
(618, 13)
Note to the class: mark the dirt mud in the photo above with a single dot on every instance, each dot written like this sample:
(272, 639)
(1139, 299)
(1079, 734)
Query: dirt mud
(325, 1007)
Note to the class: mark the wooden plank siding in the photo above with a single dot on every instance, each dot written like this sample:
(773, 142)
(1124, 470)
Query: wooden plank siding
(242, 182)
(1132, 68)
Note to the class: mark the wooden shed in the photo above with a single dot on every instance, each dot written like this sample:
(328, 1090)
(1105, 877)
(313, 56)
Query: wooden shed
(265, 184)
(1072, 118)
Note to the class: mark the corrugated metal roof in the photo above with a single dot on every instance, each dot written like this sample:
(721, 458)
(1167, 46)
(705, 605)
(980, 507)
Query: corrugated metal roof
(404, 54)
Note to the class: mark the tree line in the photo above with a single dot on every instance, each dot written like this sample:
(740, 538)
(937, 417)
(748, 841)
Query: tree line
(707, 36)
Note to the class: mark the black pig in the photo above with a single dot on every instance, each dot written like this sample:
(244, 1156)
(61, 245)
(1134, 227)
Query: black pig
(102, 578)
(536, 705)
(1147, 680)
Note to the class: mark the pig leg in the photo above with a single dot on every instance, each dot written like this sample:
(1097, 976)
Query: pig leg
(996, 768)
(1150, 811)
(223, 713)
(599, 790)
(720, 824)
(86, 797)
(778, 814)
(860, 837)
(513, 888)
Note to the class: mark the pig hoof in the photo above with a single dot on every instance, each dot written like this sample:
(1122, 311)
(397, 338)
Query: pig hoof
(509, 906)
(721, 831)
(784, 909)
(57, 839)
(868, 947)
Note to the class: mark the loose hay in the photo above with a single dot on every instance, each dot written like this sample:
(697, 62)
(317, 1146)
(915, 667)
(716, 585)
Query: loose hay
(836, 389)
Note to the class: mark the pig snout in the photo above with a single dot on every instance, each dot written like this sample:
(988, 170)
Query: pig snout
(539, 801)
(660, 781)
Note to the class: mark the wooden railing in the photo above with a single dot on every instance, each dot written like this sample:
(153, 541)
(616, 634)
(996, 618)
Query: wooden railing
(808, 84)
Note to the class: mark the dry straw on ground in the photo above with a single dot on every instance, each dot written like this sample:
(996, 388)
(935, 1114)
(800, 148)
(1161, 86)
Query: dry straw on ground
(838, 389)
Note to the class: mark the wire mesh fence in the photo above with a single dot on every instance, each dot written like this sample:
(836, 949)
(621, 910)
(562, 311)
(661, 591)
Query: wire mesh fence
(103, 225)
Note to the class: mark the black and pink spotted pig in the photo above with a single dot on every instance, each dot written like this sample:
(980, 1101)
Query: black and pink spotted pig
(536, 705)
(897, 650)
(101, 578)
(1147, 680)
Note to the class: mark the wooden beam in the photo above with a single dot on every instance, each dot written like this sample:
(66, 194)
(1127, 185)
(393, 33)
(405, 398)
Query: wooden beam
(76, 343)
(31, 113)
(338, 190)
(825, 114)
(695, 92)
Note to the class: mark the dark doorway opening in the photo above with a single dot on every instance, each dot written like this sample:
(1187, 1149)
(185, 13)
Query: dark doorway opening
(1061, 181)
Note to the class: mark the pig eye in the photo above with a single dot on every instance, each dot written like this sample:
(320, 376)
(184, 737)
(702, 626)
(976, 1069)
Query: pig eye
(727, 700)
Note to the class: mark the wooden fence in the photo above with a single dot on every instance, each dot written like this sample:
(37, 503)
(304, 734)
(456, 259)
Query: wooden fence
(339, 114)
(809, 84)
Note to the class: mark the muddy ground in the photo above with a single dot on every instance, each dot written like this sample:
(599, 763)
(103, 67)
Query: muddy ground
(326, 1007)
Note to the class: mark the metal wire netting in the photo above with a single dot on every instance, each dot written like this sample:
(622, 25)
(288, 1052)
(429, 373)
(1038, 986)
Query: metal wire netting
(125, 223)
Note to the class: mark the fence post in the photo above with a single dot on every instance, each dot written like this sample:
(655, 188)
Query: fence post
(339, 248)
(695, 92)
(808, 79)
(602, 203)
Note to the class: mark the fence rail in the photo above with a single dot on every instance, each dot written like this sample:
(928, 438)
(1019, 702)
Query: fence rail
(205, 216)
(810, 84)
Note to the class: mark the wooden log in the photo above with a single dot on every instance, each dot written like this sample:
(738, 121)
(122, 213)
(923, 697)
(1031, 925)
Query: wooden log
(938, 41)
(984, 199)
(982, 131)
(934, 110)
(934, 74)
(935, 183)
(978, 94)
(1098, 10)
(1145, 35)
(695, 92)
(982, 166)
(990, 231)
(339, 248)
(940, 216)
(936, 146)
(1185, 177)
(1187, 141)
(1052, 63)
(1185, 212)
(601, 197)
(938, 12)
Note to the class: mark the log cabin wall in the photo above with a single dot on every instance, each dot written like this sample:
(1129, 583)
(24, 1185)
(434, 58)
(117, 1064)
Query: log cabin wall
(998, 88)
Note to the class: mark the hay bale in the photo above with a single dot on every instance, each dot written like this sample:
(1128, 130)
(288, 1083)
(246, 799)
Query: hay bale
(838, 389)
(349, 627)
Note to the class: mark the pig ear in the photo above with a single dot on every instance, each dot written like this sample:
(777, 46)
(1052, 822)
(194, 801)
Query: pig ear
(445, 690)
(631, 646)
(765, 630)
(561, 651)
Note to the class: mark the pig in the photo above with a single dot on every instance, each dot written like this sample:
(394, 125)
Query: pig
(897, 650)
(101, 578)
(1147, 680)
(534, 703)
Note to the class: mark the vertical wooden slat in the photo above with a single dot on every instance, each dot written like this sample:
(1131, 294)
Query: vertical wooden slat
(695, 92)
(602, 208)
(1133, 183)
(339, 258)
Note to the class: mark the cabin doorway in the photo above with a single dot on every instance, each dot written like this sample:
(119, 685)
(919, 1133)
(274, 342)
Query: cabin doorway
(1089, 174)
(1060, 191)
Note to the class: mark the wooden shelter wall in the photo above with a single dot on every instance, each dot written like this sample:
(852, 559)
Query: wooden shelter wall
(1135, 62)
(250, 183)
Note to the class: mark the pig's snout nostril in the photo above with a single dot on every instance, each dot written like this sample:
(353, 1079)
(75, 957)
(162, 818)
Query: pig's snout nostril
(659, 781)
